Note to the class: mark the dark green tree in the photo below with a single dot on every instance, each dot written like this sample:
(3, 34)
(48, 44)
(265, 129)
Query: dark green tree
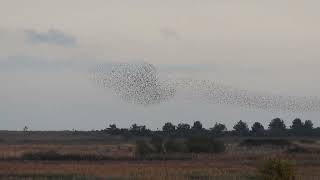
(297, 127)
(297, 124)
(257, 129)
(139, 130)
(277, 124)
(308, 125)
(197, 125)
(168, 128)
(241, 128)
(134, 127)
(277, 127)
(112, 129)
(183, 129)
(218, 129)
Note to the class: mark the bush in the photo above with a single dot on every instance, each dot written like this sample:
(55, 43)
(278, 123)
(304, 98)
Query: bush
(157, 144)
(276, 169)
(143, 148)
(205, 145)
(172, 145)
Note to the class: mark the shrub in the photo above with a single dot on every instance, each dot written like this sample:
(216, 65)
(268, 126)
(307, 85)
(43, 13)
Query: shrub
(172, 145)
(142, 148)
(205, 145)
(276, 169)
(157, 144)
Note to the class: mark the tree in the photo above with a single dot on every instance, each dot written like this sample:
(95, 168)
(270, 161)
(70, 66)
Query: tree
(308, 125)
(277, 127)
(278, 124)
(168, 127)
(241, 128)
(139, 130)
(218, 129)
(297, 124)
(112, 129)
(257, 129)
(297, 127)
(197, 125)
(183, 128)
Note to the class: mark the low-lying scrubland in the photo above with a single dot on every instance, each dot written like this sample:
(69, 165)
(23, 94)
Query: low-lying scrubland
(161, 158)
(48, 177)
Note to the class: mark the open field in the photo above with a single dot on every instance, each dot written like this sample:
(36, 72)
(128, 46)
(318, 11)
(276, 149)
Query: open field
(145, 169)
(119, 160)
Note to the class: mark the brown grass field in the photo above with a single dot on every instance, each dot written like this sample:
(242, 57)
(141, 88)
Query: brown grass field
(236, 163)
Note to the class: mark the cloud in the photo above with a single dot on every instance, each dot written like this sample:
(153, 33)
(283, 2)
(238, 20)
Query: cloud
(53, 37)
(25, 63)
(28, 63)
(169, 33)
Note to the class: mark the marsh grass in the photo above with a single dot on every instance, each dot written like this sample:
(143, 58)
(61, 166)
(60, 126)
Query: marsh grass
(55, 156)
(47, 177)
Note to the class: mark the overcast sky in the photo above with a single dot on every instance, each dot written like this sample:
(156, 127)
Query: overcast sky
(47, 49)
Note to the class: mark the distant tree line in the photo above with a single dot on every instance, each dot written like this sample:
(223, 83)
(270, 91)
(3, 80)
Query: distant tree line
(276, 127)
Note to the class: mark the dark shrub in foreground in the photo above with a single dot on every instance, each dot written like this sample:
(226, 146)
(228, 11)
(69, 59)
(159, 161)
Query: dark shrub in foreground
(205, 145)
(172, 146)
(157, 144)
(276, 169)
(143, 148)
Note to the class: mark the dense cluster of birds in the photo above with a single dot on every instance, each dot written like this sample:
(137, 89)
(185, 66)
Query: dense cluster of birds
(140, 83)
(217, 93)
(135, 83)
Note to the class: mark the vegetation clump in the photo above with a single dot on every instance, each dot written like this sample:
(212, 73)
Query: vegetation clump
(276, 128)
(143, 148)
(205, 145)
(158, 145)
(277, 169)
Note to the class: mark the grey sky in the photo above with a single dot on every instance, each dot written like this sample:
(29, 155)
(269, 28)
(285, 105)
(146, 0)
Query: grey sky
(47, 49)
